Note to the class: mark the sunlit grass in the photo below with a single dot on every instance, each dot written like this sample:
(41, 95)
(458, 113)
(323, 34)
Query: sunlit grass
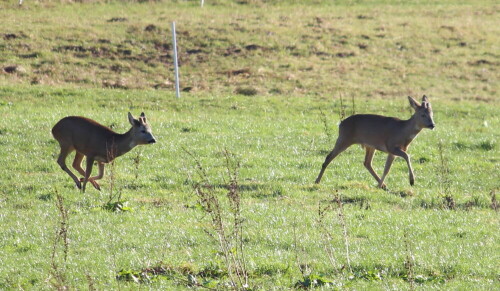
(292, 61)
(281, 144)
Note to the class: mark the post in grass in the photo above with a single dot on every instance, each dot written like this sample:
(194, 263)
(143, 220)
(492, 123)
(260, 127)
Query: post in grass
(176, 64)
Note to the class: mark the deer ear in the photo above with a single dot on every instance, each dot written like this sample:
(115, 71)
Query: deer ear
(425, 99)
(413, 103)
(132, 120)
(143, 118)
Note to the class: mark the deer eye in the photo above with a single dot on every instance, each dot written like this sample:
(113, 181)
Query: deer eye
(143, 131)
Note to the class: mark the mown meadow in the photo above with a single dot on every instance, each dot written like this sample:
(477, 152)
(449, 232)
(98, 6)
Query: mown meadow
(226, 197)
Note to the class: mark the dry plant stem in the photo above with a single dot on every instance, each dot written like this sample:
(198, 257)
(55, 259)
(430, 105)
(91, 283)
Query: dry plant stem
(409, 262)
(342, 108)
(233, 166)
(137, 162)
(344, 228)
(494, 202)
(111, 177)
(327, 236)
(199, 168)
(296, 249)
(213, 208)
(325, 124)
(58, 279)
(353, 104)
(112, 180)
(91, 282)
(227, 240)
(63, 229)
(444, 171)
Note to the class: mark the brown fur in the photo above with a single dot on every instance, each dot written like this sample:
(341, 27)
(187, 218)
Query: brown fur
(97, 143)
(386, 134)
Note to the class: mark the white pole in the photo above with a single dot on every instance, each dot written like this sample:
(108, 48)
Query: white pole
(176, 65)
(202, 1)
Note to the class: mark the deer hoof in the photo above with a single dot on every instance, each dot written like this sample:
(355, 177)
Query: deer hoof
(94, 183)
(78, 185)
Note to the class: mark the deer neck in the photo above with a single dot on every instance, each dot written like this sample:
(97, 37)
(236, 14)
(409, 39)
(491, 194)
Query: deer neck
(412, 128)
(123, 143)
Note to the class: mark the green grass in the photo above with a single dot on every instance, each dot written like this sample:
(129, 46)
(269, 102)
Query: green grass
(280, 135)
(281, 144)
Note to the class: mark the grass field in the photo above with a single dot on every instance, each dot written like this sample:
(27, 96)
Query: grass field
(261, 82)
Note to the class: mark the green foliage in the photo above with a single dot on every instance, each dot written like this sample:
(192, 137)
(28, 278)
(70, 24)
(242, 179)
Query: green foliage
(247, 91)
(313, 281)
(129, 275)
(118, 206)
(207, 277)
(146, 275)
(370, 275)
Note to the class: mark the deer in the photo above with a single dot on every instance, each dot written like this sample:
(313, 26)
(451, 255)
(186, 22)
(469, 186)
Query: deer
(387, 134)
(98, 143)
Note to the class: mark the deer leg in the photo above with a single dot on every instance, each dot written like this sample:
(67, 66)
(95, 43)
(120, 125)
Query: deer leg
(388, 164)
(368, 163)
(77, 164)
(99, 176)
(88, 171)
(340, 146)
(61, 160)
(400, 153)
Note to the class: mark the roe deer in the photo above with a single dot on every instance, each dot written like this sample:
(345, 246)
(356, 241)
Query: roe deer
(387, 134)
(96, 142)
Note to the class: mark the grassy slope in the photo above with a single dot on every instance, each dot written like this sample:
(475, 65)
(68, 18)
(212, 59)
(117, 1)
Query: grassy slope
(281, 142)
(370, 50)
